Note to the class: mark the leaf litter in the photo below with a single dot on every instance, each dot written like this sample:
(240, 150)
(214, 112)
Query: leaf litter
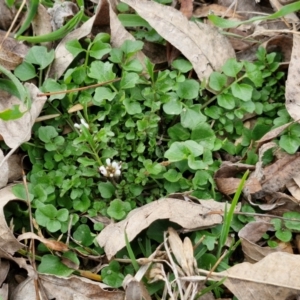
(207, 50)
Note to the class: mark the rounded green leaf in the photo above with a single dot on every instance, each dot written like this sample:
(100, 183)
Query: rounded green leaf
(188, 89)
(51, 85)
(116, 55)
(196, 164)
(51, 264)
(101, 71)
(294, 223)
(173, 107)
(53, 225)
(289, 143)
(283, 235)
(38, 55)
(83, 235)
(181, 150)
(62, 215)
(204, 135)
(226, 100)
(112, 275)
(182, 65)
(129, 80)
(254, 73)
(116, 209)
(106, 189)
(172, 175)
(130, 47)
(74, 47)
(201, 177)
(132, 107)
(133, 65)
(260, 130)
(178, 133)
(99, 49)
(242, 91)
(48, 210)
(192, 117)
(46, 133)
(213, 111)
(103, 93)
(232, 67)
(217, 81)
(25, 71)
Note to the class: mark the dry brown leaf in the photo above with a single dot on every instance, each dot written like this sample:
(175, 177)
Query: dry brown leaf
(41, 24)
(60, 12)
(51, 244)
(176, 246)
(12, 45)
(227, 186)
(9, 60)
(4, 291)
(278, 174)
(11, 51)
(14, 167)
(8, 242)
(294, 187)
(272, 134)
(186, 7)
(16, 132)
(135, 290)
(4, 268)
(189, 256)
(3, 171)
(71, 288)
(189, 215)
(7, 15)
(200, 43)
(292, 88)
(225, 177)
(275, 277)
(238, 43)
(250, 235)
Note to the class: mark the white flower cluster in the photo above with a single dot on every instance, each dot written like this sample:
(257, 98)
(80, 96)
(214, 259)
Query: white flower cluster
(112, 169)
(83, 122)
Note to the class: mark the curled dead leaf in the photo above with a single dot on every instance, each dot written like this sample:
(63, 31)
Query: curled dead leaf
(51, 244)
(189, 215)
(16, 132)
(292, 90)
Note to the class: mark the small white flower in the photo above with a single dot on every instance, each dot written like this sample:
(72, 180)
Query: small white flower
(77, 125)
(84, 123)
(103, 170)
(114, 164)
(112, 169)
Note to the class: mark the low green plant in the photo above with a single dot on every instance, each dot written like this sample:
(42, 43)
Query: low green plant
(284, 228)
(140, 134)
